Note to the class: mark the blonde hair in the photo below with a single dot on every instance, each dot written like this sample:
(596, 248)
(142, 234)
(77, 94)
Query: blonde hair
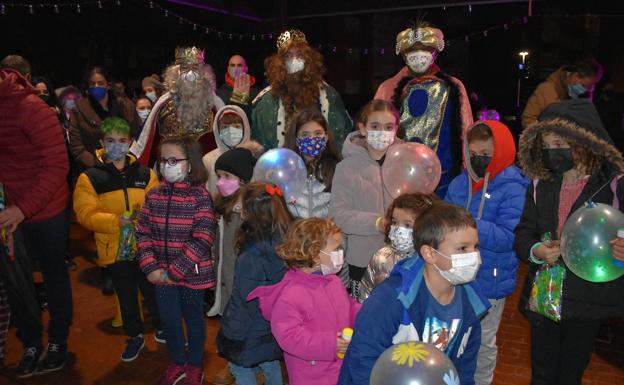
(304, 240)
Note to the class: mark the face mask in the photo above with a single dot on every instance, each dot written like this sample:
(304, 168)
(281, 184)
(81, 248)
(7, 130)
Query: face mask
(151, 96)
(231, 136)
(98, 93)
(479, 163)
(419, 61)
(311, 146)
(116, 151)
(465, 267)
(143, 114)
(336, 259)
(401, 238)
(295, 65)
(69, 104)
(190, 76)
(172, 174)
(234, 72)
(558, 160)
(576, 90)
(380, 140)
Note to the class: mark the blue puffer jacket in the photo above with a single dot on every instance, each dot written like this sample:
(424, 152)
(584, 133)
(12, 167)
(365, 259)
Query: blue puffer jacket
(496, 202)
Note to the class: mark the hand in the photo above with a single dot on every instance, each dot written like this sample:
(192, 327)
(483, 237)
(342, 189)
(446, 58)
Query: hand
(166, 280)
(617, 245)
(547, 254)
(124, 221)
(242, 84)
(10, 217)
(156, 276)
(341, 344)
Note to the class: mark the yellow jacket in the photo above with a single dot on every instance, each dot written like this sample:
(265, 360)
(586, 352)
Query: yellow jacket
(103, 194)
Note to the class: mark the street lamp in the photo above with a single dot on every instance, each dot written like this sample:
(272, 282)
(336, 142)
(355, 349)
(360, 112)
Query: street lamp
(523, 55)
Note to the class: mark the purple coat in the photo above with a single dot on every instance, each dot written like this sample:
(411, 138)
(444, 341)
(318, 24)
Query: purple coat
(306, 312)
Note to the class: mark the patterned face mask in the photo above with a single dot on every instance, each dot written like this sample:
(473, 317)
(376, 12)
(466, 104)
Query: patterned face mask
(312, 146)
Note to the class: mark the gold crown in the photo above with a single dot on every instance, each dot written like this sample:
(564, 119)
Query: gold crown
(429, 37)
(287, 38)
(189, 55)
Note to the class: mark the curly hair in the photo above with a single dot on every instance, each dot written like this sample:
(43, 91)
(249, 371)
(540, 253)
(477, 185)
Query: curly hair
(304, 240)
(299, 90)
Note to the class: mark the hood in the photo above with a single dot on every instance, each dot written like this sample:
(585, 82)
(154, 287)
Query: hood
(578, 122)
(355, 146)
(14, 84)
(215, 125)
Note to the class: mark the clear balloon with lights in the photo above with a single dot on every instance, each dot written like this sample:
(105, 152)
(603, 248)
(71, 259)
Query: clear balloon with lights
(413, 362)
(283, 167)
(585, 246)
(411, 168)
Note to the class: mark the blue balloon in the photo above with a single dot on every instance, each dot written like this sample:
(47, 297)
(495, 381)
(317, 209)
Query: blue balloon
(284, 168)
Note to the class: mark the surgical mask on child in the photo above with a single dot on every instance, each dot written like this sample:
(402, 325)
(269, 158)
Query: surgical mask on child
(380, 140)
(401, 239)
(231, 136)
(419, 61)
(172, 174)
(227, 187)
(336, 259)
(295, 65)
(116, 151)
(464, 267)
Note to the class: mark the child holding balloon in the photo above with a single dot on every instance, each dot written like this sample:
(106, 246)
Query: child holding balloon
(311, 139)
(571, 160)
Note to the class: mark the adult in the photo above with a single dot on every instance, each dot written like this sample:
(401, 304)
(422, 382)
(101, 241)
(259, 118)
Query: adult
(67, 99)
(17, 63)
(433, 106)
(186, 109)
(152, 88)
(567, 82)
(238, 88)
(85, 120)
(34, 172)
(295, 74)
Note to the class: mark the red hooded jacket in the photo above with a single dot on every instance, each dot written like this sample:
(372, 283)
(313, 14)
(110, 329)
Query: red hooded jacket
(33, 157)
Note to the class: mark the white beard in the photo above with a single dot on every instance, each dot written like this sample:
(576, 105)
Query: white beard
(193, 100)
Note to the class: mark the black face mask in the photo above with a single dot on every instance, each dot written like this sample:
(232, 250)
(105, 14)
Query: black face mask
(46, 98)
(479, 163)
(558, 160)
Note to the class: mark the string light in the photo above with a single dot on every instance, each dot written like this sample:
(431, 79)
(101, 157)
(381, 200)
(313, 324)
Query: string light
(31, 10)
(56, 9)
(2, 9)
(78, 8)
(99, 4)
(151, 5)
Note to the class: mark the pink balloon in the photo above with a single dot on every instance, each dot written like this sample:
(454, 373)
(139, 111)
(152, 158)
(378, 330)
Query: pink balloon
(411, 168)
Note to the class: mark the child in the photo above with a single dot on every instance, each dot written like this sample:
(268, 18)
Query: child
(309, 137)
(245, 338)
(399, 221)
(309, 308)
(571, 160)
(428, 297)
(118, 183)
(359, 198)
(231, 130)
(175, 236)
(492, 189)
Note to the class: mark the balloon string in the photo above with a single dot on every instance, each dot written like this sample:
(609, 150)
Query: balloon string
(597, 191)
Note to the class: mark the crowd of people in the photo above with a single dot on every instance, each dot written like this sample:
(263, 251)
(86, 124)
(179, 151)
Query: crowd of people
(165, 183)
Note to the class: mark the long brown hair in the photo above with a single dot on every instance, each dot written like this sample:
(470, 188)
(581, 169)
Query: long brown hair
(265, 216)
(198, 174)
(376, 105)
(324, 165)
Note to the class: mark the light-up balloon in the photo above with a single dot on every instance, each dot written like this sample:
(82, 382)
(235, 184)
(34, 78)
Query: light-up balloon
(411, 168)
(284, 168)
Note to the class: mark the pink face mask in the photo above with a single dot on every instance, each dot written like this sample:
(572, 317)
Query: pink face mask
(227, 187)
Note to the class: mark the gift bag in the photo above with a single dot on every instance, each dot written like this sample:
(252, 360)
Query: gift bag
(547, 291)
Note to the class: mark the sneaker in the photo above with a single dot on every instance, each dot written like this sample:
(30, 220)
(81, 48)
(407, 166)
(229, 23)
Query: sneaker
(28, 365)
(222, 377)
(134, 345)
(173, 375)
(159, 336)
(194, 376)
(55, 358)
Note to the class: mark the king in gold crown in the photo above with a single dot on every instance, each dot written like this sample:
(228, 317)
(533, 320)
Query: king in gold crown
(189, 56)
(287, 38)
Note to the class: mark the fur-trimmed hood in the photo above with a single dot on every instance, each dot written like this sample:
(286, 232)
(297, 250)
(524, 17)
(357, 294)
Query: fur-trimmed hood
(576, 121)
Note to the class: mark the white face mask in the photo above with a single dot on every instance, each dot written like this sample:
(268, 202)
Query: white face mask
(235, 71)
(190, 76)
(380, 140)
(143, 114)
(401, 238)
(231, 136)
(172, 174)
(151, 96)
(336, 259)
(295, 65)
(465, 267)
(419, 61)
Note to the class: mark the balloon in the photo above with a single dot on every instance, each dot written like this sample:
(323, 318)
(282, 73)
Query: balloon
(410, 168)
(413, 362)
(284, 168)
(585, 246)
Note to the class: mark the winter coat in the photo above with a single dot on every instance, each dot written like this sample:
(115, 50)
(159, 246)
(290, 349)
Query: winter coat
(306, 311)
(378, 270)
(554, 89)
(102, 195)
(32, 152)
(358, 199)
(394, 313)
(496, 202)
(312, 196)
(175, 232)
(245, 337)
(577, 122)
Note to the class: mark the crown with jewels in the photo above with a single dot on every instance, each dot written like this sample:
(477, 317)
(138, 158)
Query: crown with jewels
(429, 37)
(289, 37)
(189, 55)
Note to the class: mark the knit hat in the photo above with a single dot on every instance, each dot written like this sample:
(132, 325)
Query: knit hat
(237, 161)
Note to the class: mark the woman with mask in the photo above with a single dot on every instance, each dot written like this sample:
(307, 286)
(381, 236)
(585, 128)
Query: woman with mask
(310, 137)
(152, 88)
(143, 106)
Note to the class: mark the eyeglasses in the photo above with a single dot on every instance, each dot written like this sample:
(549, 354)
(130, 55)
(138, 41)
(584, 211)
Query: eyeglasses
(172, 161)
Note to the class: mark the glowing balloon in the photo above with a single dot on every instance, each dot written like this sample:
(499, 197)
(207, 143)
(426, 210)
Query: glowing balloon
(284, 168)
(410, 168)
(585, 246)
(414, 362)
